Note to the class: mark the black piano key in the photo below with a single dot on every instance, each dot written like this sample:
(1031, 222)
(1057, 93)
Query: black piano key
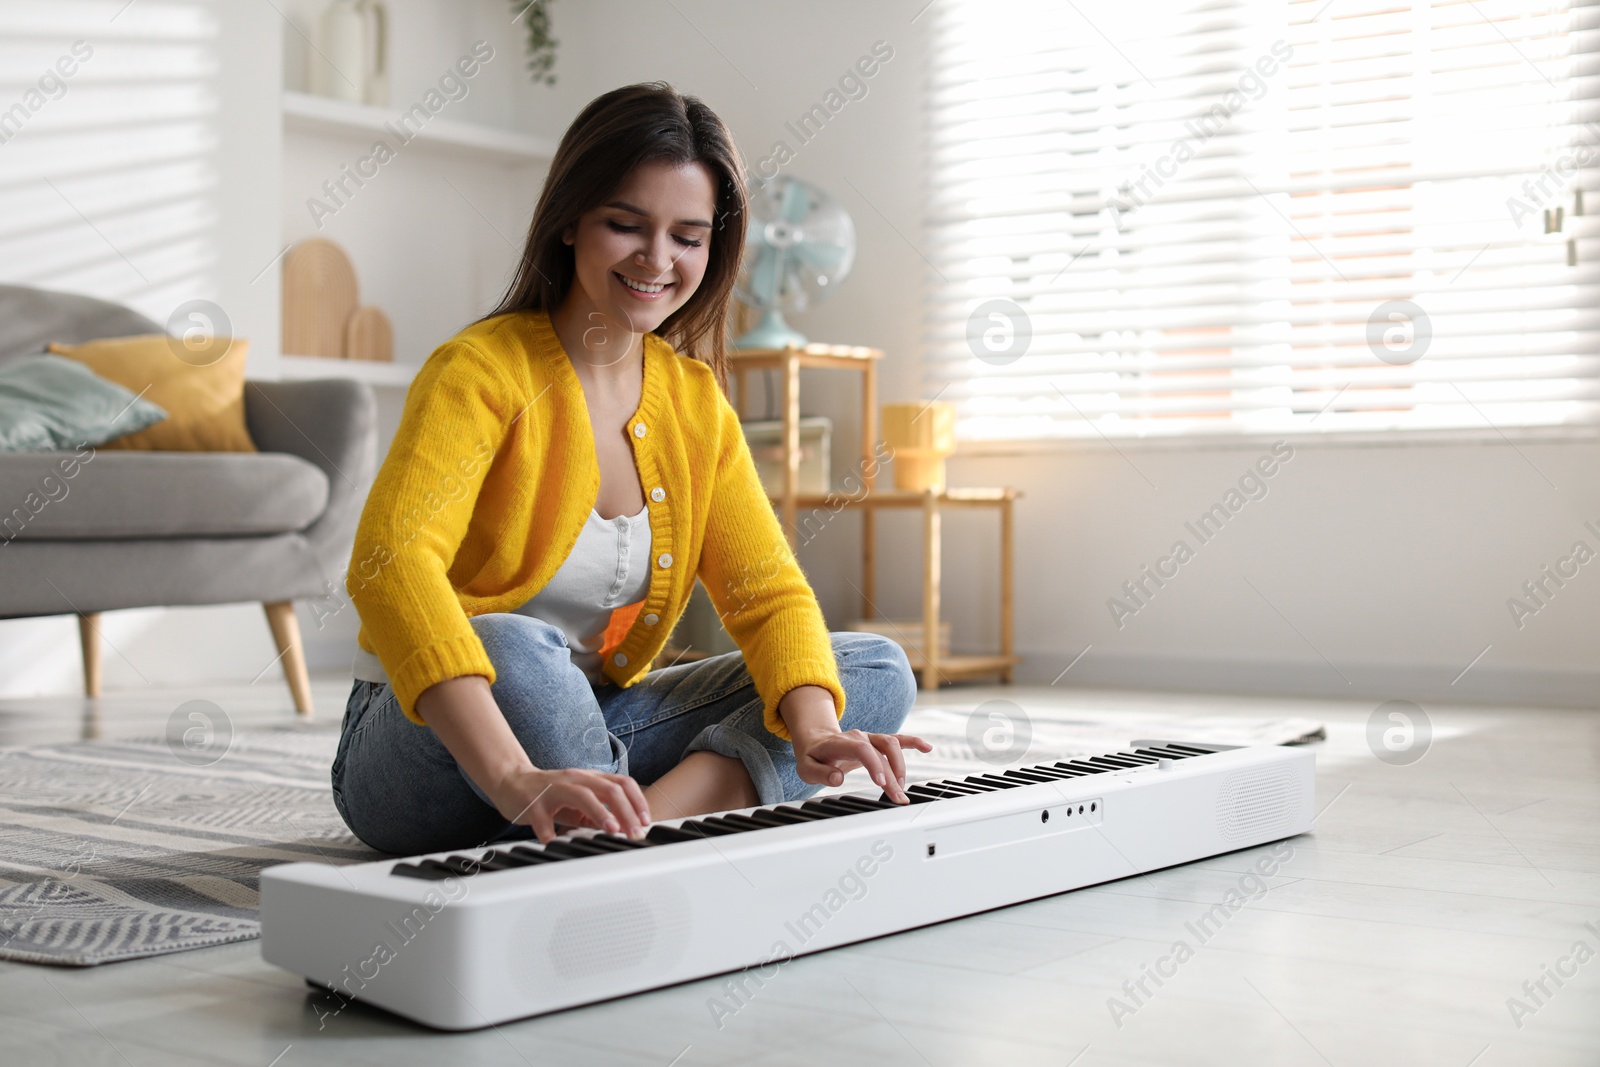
(462, 866)
(531, 855)
(666, 835)
(749, 823)
(864, 803)
(573, 850)
(1054, 774)
(829, 805)
(494, 860)
(939, 791)
(1031, 777)
(1192, 750)
(611, 842)
(1163, 753)
(956, 786)
(506, 860)
(783, 816)
(414, 870)
(1137, 757)
(993, 779)
(791, 815)
(713, 827)
(1086, 768)
(618, 843)
(1113, 762)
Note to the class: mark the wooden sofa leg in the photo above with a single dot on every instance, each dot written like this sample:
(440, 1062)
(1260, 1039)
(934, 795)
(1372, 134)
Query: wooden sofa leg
(89, 639)
(286, 635)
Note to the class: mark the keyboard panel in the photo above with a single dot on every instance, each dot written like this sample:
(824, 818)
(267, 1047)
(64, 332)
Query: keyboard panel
(505, 858)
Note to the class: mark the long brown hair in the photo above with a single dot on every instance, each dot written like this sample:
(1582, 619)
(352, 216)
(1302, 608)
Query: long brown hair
(612, 135)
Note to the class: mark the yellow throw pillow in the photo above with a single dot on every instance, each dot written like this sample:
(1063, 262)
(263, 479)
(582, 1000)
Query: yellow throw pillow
(203, 393)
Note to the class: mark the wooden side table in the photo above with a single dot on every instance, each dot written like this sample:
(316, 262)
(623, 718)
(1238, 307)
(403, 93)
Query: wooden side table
(930, 665)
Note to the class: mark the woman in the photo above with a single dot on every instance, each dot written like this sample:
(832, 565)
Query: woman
(503, 683)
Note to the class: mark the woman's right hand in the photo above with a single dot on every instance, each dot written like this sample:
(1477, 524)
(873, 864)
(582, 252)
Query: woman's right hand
(576, 797)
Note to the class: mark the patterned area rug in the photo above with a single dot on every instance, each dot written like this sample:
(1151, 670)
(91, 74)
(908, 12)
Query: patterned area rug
(111, 850)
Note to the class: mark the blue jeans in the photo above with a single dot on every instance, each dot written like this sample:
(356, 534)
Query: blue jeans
(398, 788)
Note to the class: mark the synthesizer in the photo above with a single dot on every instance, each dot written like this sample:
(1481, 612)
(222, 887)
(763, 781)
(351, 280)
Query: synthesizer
(479, 936)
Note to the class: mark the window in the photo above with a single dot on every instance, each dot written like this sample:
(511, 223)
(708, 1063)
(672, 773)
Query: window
(1179, 218)
(108, 131)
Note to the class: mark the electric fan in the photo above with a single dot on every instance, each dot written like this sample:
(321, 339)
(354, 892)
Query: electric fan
(799, 247)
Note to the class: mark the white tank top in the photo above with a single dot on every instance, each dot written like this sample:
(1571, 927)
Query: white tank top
(608, 567)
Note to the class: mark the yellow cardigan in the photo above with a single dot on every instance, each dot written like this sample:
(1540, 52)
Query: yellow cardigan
(490, 478)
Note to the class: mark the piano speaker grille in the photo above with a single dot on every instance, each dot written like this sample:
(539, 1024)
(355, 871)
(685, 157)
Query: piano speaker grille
(1252, 804)
(608, 935)
(595, 939)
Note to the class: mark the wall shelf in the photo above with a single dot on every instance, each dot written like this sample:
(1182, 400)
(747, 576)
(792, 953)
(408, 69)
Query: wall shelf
(308, 113)
(373, 372)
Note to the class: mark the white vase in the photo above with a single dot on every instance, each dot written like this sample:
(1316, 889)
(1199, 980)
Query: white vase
(352, 39)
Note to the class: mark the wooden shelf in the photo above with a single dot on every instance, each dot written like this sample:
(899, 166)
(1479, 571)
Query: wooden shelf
(910, 498)
(309, 113)
(373, 372)
(815, 354)
(964, 665)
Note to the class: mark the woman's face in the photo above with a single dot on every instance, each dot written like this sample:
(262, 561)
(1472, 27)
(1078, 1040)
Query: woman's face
(641, 254)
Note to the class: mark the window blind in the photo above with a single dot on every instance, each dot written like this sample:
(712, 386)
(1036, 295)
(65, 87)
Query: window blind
(108, 131)
(1186, 218)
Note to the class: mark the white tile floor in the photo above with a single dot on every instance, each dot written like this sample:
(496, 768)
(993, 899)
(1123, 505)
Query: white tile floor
(1425, 898)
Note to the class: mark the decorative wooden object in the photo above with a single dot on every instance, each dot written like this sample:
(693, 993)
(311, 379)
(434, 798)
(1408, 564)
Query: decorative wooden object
(369, 336)
(922, 435)
(319, 296)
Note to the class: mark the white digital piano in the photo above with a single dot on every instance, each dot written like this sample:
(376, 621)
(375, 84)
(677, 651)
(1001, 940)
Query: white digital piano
(481, 936)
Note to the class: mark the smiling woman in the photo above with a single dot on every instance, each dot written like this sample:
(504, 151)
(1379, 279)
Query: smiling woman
(504, 681)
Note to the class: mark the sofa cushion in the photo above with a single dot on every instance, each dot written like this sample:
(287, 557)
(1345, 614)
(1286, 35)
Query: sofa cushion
(89, 494)
(47, 403)
(201, 389)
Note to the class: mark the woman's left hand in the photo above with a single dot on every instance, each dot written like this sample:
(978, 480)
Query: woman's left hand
(823, 756)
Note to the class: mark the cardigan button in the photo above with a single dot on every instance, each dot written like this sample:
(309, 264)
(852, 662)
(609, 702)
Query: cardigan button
(658, 494)
(638, 429)
(651, 619)
(665, 559)
(620, 660)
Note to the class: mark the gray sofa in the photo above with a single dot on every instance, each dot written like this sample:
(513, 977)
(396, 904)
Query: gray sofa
(142, 529)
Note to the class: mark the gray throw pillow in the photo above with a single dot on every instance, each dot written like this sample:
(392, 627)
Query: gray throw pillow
(47, 403)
